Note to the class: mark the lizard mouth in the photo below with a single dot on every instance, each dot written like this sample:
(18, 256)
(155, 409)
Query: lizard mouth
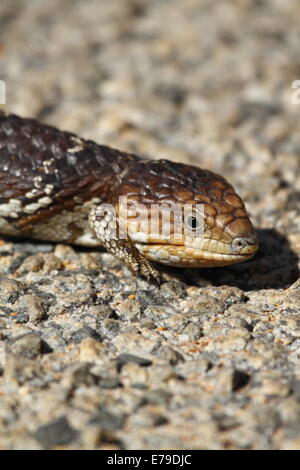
(182, 256)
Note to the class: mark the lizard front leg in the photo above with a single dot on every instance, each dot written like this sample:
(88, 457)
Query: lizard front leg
(103, 221)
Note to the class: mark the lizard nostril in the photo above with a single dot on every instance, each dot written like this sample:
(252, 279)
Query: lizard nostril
(244, 244)
(238, 243)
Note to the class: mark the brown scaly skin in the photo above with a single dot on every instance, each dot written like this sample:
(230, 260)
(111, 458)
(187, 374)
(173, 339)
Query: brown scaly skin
(52, 184)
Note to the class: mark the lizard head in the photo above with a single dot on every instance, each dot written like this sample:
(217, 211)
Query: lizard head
(180, 215)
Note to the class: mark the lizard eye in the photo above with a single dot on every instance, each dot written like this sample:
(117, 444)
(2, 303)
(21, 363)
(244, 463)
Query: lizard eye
(193, 222)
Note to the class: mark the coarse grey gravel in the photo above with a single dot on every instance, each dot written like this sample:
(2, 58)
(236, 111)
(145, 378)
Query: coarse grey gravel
(90, 356)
